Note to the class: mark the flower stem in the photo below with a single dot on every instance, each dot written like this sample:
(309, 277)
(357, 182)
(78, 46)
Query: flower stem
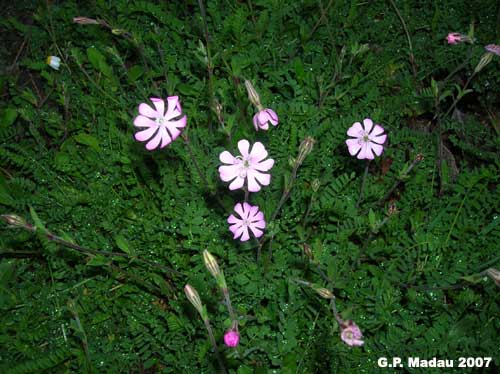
(230, 309)
(214, 344)
(363, 184)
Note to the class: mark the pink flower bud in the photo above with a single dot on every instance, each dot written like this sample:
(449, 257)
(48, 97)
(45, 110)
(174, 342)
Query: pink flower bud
(262, 119)
(454, 38)
(231, 338)
(351, 334)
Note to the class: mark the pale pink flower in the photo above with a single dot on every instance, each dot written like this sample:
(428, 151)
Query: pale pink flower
(493, 48)
(368, 139)
(231, 338)
(250, 165)
(262, 119)
(161, 127)
(351, 334)
(249, 217)
(454, 38)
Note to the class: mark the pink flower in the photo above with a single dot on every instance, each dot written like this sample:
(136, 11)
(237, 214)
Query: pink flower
(454, 38)
(231, 338)
(351, 334)
(368, 140)
(161, 127)
(250, 217)
(493, 48)
(249, 165)
(262, 118)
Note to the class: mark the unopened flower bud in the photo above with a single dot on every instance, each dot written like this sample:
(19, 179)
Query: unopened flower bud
(324, 293)
(392, 208)
(13, 220)
(305, 148)
(194, 298)
(253, 96)
(494, 274)
(218, 111)
(485, 60)
(85, 21)
(316, 184)
(211, 263)
(307, 251)
(118, 32)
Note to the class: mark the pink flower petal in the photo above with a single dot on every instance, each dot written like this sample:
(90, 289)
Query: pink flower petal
(234, 228)
(229, 172)
(355, 130)
(365, 152)
(245, 235)
(253, 186)
(159, 105)
(377, 130)
(243, 146)
(232, 219)
(147, 111)
(368, 124)
(174, 107)
(258, 152)
(258, 233)
(246, 209)
(264, 165)
(227, 158)
(154, 142)
(238, 208)
(353, 146)
(142, 121)
(239, 231)
(273, 117)
(256, 122)
(260, 224)
(165, 138)
(378, 149)
(264, 179)
(146, 134)
(378, 139)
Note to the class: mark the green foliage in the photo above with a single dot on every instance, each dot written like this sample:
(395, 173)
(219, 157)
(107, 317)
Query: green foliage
(412, 279)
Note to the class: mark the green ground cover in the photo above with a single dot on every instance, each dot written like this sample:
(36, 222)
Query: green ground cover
(100, 235)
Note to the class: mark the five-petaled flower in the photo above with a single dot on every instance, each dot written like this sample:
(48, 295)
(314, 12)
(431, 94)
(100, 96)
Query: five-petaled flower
(250, 166)
(250, 217)
(351, 334)
(262, 119)
(231, 338)
(161, 127)
(368, 139)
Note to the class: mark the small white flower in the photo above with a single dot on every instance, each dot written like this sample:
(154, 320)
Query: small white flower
(54, 62)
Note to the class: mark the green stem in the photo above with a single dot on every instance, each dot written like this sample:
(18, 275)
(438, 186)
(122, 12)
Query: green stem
(363, 182)
(214, 344)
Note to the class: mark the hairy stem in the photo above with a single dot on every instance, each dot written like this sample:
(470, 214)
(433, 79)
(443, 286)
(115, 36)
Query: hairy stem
(214, 345)
(363, 182)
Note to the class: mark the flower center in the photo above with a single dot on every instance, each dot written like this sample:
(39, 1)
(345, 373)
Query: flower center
(244, 166)
(161, 121)
(246, 223)
(366, 139)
